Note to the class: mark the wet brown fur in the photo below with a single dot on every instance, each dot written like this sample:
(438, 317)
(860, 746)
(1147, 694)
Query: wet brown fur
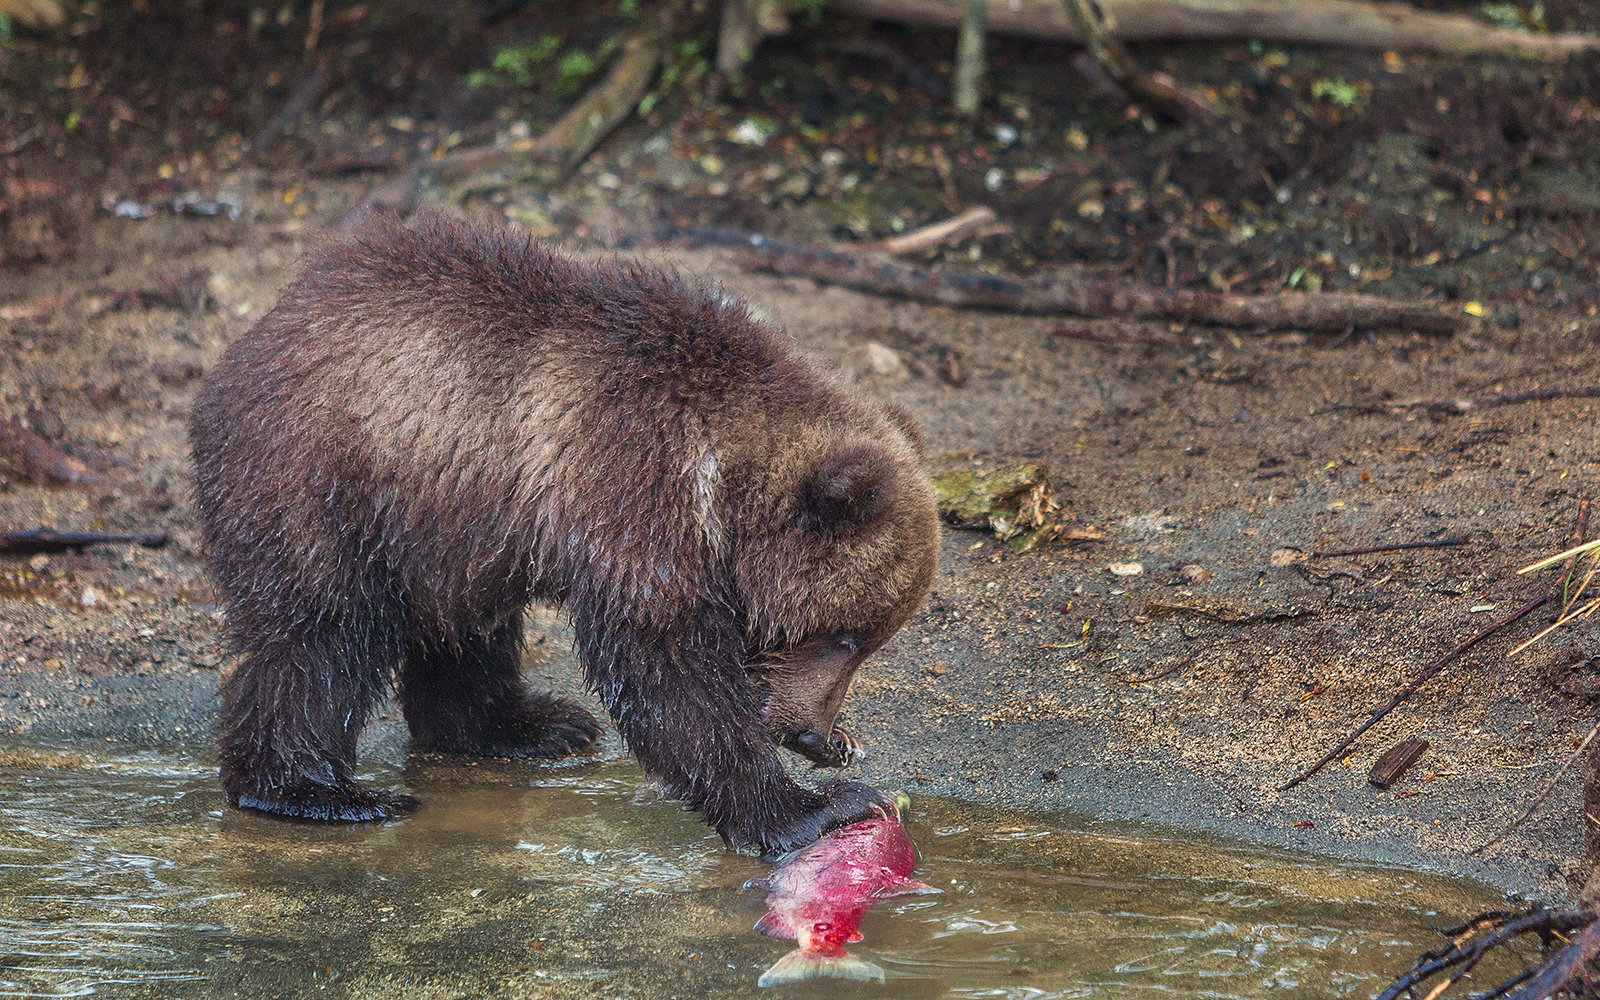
(437, 425)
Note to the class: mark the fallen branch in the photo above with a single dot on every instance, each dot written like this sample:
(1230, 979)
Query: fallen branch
(1076, 294)
(1467, 950)
(307, 93)
(1113, 58)
(23, 543)
(1506, 399)
(1406, 692)
(940, 232)
(1374, 549)
(563, 146)
(1580, 530)
(1560, 969)
(1329, 22)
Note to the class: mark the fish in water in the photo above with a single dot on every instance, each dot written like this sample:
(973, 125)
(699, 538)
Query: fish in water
(818, 896)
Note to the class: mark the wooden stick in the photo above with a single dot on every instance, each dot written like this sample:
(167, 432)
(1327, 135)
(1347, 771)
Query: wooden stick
(1441, 543)
(1113, 58)
(1410, 689)
(1508, 399)
(1328, 22)
(1067, 292)
(940, 232)
(1505, 927)
(1539, 799)
(575, 134)
(1579, 530)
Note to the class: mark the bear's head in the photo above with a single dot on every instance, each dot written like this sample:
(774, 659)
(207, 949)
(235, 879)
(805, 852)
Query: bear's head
(841, 556)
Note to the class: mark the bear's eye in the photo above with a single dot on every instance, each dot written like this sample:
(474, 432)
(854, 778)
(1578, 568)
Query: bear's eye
(848, 642)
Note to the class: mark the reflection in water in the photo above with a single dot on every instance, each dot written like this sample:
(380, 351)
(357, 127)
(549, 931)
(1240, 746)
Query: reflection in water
(124, 875)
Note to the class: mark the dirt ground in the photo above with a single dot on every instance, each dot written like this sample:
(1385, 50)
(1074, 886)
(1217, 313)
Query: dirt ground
(1213, 458)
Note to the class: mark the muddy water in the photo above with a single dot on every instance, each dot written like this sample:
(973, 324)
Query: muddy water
(122, 874)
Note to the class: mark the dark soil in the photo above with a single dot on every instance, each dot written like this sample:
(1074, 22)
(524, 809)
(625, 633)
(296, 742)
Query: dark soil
(1200, 454)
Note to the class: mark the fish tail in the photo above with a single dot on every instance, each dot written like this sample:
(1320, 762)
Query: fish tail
(801, 964)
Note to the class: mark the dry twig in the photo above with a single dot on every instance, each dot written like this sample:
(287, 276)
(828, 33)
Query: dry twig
(1411, 688)
(1373, 549)
(1539, 800)
(930, 236)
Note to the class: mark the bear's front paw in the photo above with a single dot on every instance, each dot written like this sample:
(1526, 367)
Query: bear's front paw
(328, 803)
(845, 802)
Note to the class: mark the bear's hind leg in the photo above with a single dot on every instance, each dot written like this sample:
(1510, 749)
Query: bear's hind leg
(287, 741)
(468, 698)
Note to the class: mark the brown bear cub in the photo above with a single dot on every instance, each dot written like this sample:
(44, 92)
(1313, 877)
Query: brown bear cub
(437, 425)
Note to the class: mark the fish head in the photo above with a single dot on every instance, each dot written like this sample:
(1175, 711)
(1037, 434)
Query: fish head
(824, 926)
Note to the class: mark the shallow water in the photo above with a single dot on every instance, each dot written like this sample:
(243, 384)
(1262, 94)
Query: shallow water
(121, 873)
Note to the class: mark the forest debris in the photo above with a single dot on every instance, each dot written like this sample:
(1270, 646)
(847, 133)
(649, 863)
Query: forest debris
(927, 237)
(1076, 293)
(1013, 502)
(1571, 610)
(1395, 762)
(397, 196)
(1159, 89)
(1224, 613)
(190, 202)
(188, 292)
(300, 100)
(969, 57)
(913, 72)
(1115, 337)
(565, 144)
(1165, 673)
(38, 460)
(744, 24)
(876, 358)
(18, 543)
(1406, 692)
(1539, 799)
(1383, 26)
(1459, 406)
(1476, 938)
(1374, 549)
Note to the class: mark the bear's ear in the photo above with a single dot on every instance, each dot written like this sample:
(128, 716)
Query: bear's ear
(849, 490)
(903, 419)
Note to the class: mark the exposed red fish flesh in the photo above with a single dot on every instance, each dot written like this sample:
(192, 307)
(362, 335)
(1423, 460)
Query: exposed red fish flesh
(818, 895)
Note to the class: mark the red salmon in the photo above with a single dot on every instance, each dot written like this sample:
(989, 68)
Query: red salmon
(818, 896)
